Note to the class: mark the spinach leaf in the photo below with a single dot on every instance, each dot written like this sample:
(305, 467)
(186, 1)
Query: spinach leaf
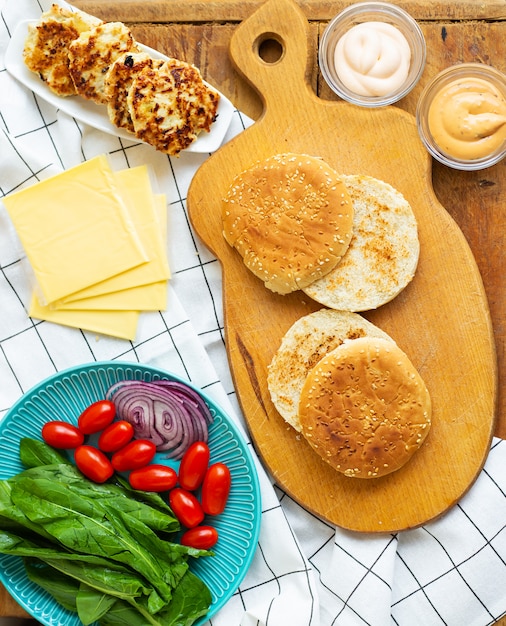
(190, 600)
(102, 551)
(11, 517)
(103, 575)
(150, 498)
(62, 588)
(85, 526)
(91, 604)
(96, 526)
(117, 497)
(108, 575)
(34, 453)
(123, 614)
(65, 590)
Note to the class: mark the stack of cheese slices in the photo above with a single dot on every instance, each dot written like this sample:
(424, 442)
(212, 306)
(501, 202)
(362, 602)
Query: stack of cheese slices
(351, 243)
(162, 102)
(96, 242)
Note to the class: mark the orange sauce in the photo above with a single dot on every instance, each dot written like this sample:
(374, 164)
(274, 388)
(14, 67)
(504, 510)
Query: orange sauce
(467, 118)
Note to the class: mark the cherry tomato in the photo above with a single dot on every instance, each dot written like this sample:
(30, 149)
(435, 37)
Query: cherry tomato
(93, 463)
(135, 454)
(186, 507)
(96, 417)
(215, 489)
(193, 466)
(200, 537)
(62, 435)
(115, 436)
(153, 478)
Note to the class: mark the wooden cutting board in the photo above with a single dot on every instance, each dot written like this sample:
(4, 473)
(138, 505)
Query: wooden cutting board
(441, 320)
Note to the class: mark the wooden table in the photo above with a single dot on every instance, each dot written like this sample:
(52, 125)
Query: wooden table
(455, 31)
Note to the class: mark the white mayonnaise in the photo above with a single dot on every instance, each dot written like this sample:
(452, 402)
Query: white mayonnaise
(372, 59)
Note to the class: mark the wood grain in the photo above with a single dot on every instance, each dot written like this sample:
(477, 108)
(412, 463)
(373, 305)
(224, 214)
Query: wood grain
(199, 31)
(199, 11)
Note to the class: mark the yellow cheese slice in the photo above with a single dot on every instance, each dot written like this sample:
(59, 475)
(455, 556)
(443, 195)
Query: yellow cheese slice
(136, 187)
(150, 297)
(75, 229)
(121, 324)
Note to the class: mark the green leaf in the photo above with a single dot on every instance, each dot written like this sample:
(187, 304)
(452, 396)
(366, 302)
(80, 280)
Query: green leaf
(62, 588)
(159, 519)
(123, 614)
(102, 574)
(91, 604)
(11, 517)
(150, 498)
(100, 549)
(34, 453)
(191, 599)
(87, 525)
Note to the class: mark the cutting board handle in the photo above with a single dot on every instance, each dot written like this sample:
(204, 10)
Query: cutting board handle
(270, 49)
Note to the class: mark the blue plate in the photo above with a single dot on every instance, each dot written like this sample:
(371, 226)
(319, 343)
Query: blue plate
(64, 396)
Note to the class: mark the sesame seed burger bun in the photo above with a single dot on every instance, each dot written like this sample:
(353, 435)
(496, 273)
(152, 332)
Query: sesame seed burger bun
(290, 217)
(365, 409)
(304, 344)
(383, 254)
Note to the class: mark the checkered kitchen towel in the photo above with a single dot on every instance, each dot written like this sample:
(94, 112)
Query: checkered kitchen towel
(305, 571)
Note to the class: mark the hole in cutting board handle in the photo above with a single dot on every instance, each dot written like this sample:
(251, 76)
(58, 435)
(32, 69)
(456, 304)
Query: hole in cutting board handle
(269, 48)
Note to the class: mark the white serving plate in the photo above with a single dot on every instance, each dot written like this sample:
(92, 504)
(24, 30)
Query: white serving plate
(93, 114)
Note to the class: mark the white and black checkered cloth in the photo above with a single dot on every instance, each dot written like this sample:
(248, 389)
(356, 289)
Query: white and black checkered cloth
(305, 572)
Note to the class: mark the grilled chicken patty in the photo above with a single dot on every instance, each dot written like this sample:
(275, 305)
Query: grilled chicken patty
(47, 46)
(91, 55)
(118, 81)
(164, 103)
(170, 105)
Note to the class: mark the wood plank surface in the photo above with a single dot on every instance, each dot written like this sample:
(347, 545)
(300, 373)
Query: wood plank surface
(455, 31)
(199, 11)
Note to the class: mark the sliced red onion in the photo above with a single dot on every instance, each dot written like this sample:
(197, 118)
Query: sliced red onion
(168, 413)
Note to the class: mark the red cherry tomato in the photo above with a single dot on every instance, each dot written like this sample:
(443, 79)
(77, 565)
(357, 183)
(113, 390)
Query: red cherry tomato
(62, 435)
(193, 466)
(96, 417)
(215, 489)
(93, 463)
(115, 436)
(186, 507)
(200, 537)
(135, 454)
(153, 478)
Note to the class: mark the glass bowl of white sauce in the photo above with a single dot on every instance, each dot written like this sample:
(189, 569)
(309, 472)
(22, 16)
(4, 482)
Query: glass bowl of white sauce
(372, 54)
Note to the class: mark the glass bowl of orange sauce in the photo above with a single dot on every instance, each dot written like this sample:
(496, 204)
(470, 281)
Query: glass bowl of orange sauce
(461, 116)
(372, 54)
